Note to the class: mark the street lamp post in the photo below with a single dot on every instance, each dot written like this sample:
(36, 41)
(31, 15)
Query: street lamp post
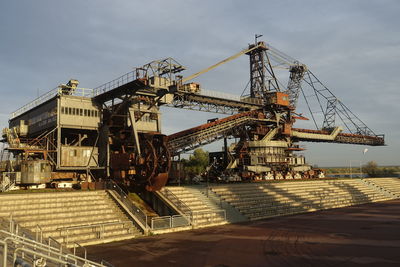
(361, 171)
(351, 170)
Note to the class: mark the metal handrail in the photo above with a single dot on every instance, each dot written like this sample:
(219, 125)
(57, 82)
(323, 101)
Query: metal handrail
(32, 243)
(138, 212)
(90, 225)
(36, 245)
(85, 92)
(170, 220)
(176, 201)
(5, 252)
(36, 253)
(162, 218)
(124, 79)
(55, 241)
(84, 249)
(45, 248)
(39, 230)
(100, 225)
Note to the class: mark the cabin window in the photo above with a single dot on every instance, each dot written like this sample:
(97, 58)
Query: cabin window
(73, 153)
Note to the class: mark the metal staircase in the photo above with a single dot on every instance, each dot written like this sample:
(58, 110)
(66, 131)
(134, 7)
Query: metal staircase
(7, 181)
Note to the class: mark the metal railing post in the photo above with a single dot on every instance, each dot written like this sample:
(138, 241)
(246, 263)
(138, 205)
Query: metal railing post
(84, 249)
(42, 250)
(67, 239)
(5, 252)
(38, 228)
(11, 224)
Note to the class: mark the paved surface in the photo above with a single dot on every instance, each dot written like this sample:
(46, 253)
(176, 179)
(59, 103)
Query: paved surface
(365, 235)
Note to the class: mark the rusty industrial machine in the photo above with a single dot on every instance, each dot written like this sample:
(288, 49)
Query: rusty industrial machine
(114, 131)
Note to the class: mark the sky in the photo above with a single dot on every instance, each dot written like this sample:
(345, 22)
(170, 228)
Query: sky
(353, 46)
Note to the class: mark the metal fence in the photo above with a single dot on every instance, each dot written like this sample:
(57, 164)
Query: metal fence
(180, 220)
(167, 222)
(20, 248)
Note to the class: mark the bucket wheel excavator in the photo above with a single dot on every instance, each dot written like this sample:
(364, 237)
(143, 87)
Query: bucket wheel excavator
(262, 122)
(114, 130)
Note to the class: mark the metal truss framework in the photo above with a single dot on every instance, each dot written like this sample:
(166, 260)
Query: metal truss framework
(262, 80)
(329, 105)
(334, 108)
(294, 85)
(211, 104)
(207, 133)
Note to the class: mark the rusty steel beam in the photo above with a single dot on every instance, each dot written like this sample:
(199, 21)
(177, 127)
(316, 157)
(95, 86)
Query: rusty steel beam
(343, 138)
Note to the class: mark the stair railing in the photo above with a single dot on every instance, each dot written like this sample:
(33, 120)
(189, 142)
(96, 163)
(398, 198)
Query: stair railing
(16, 239)
(177, 202)
(123, 197)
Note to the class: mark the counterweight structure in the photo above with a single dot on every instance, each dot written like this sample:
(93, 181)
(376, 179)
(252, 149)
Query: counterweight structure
(114, 131)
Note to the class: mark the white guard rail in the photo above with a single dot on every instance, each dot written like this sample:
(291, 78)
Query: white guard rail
(167, 222)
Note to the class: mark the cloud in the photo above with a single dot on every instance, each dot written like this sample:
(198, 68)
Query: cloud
(352, 46)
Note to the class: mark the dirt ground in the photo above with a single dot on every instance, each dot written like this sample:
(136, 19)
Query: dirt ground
(364, 235)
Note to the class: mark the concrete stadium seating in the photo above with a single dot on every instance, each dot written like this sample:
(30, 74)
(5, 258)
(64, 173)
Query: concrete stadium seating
(85, 217)
(204, 213)
(391, 185)
(268, 199)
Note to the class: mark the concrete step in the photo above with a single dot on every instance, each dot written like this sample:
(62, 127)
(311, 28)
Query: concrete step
(257, 215)
(91, 229)
(50, 205)
(77, 208)
(82, 238)
(200, 206)
(268, 201)
(46, 199)
(308, 202)
(54, 195)
(49, 215)
(70, 219)
(257, 198)
(108, 239)
(90, 220)
(81, 210)
(195, 203)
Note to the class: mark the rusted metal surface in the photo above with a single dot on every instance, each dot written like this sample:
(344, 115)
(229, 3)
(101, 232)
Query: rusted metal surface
(157, 182)
(206, 133)
(364, 235)
(210, 124)
(346, 137)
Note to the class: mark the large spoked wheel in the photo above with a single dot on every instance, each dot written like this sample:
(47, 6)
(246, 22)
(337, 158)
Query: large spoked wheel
(147, 161)
(163, 156)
